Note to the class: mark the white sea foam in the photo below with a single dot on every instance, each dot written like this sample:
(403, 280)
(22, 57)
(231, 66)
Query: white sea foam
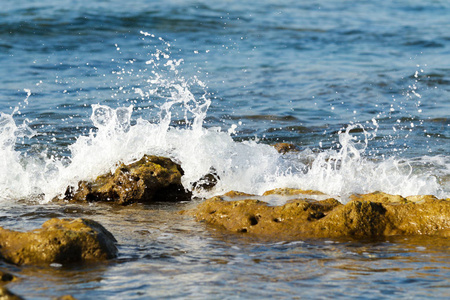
(247, 166)
(244, 166)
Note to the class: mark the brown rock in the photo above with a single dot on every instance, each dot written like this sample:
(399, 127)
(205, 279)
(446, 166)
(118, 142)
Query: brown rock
(290, 192)
(66, 297)
(58, 241)
(366, 216)
(152, 178)
(285, 147)
(234, 194)
(379, 197)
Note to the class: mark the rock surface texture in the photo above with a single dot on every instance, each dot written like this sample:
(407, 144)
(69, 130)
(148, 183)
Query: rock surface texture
(284, 148)
(58, 241)
(364, 216)
(152, 178)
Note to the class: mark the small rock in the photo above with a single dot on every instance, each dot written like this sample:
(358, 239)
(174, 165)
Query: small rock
(284, 148)
(234, 194)
(290, 192)
(58, 241)
(206, 182)
(6, 277)
(150, 179)
(65, 297)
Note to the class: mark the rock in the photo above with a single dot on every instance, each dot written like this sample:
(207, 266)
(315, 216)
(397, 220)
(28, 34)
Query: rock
(58, 241)
(235, 194)
(290, 192)
(206, 182)
(379, 197)
(5, 294)
(65, 297)
(152, 178)
(6, 277)
(366, 216)
(284, 148)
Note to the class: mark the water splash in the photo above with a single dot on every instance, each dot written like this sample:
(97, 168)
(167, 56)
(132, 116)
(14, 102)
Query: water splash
(13, 178)
(125, 133)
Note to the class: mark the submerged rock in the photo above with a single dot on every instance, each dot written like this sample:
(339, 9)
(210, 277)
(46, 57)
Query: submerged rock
(152, 178)
(365, 216)
(58, 241)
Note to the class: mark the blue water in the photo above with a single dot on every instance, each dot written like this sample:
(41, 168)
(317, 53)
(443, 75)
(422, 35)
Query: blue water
(250, 74)
(302, 68)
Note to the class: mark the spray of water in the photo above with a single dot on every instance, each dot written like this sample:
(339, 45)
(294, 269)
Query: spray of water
(246, 166)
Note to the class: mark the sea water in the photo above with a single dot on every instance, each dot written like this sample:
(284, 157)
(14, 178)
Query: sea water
(360, 88)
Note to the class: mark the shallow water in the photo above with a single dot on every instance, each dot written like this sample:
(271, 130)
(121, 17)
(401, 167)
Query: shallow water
(164, 254)
(361, 88)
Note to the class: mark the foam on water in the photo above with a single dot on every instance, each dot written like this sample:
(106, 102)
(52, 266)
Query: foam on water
(247, 166)
(244, 166)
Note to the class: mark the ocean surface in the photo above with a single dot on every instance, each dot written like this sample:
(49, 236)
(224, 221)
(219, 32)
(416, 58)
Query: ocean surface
(361, 88)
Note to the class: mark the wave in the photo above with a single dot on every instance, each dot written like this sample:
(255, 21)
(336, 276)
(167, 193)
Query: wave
(124, 134)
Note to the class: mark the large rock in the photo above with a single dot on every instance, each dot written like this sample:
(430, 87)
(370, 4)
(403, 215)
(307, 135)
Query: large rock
(58, 241)
(152, 178)
(365, 216)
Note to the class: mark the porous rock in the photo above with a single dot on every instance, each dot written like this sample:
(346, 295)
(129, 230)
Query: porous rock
(152, 178)
(364, 216)
(58, 241)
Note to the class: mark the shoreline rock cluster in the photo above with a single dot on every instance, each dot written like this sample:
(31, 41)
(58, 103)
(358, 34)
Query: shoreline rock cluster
(156, 179)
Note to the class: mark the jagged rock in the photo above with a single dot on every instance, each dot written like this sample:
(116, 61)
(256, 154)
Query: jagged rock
(206, 182)
(152, 178)
(5, 294)
(284, 148)
(365, 216)
(58, 241)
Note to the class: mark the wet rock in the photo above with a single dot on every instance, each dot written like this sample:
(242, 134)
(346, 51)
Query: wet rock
(285, 147)
(65, 297)
(234, 194)
(152, 178)
(290, 192)
(365, 216)
(206, 182)
(6, 277)
(5, 294)
(58, 241)
(380, 197)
